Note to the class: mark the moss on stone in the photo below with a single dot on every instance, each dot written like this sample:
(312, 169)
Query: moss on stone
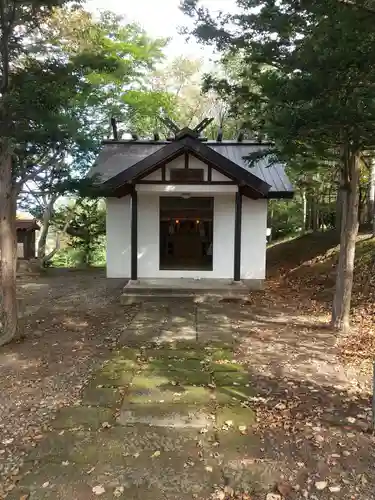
(225, 366)
(82, 416)
(231, 394)
(104, 396)
(167, 393)
(119, 379)
(219, 354)
(236, 414)
(172, 377)
(128, 353)
(230, 378)
(169, 353)
(119, 364)
(181, 364)
(174, 415)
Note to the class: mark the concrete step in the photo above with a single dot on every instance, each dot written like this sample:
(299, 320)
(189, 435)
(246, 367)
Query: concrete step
(136, 297)
(200, 290)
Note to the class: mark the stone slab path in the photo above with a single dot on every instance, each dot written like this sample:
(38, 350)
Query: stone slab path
(167, 417)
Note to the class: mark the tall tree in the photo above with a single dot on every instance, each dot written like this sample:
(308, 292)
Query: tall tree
(182, 79)
(48, 128)
(71, 33)
(372, 196)
(18, 20)
(313, 65)
(84, 222)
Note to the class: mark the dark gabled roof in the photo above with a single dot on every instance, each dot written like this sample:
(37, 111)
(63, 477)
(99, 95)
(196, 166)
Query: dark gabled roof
(122, 162)
(27, 225)
(197, 148)
(272, 173)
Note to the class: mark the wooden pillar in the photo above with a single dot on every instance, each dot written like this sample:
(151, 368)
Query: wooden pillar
(237, 236)
(32, 245)
(134, 235)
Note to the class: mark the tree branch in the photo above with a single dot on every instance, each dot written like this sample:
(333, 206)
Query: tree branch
(32, 175)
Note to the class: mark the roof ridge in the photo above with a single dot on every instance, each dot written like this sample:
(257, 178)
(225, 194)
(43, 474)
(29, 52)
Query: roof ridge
(227, 142)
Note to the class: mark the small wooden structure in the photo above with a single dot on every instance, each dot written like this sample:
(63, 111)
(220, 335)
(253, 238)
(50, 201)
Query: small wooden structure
(187, 207)
(26, 238)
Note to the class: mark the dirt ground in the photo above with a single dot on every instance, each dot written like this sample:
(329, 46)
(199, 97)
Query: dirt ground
(310, 436)
(70, 323)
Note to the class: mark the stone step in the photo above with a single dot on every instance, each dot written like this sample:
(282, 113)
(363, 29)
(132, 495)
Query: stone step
(170, 415)
(135, 295)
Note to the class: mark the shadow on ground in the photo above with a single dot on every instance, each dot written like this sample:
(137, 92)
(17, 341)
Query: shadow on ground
(203, 397)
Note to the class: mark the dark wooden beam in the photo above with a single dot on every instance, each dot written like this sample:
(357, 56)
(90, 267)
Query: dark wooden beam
(186, 160)
(134, 235)
(193, 183)
(114, 129)
(119, 192)
(209, 174)
(163, 173)
(237, 236)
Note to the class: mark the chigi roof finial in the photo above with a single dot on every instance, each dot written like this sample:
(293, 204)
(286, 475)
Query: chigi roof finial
(180, 132)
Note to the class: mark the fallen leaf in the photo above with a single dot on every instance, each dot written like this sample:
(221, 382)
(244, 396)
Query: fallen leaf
(119, 490)
(209, 468)
(45, 485)
(273, 496)
(321, 485)
(334, 489)
(218, 495)
(228, 490)
(156, 454)
(242, 429)
(98, 490)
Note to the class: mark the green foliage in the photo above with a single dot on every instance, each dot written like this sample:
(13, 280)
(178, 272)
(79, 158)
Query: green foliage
(56, 130)
(181, 79)
(71, 257)
(301, 74)
(285, 218)
(99, 62)
(308, 69)
(86, 230)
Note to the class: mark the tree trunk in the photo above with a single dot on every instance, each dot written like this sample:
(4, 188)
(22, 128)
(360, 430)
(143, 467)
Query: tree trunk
(304, 203)
(339, 207)
(60, 233)
(372, 197)
(47, 214)
(349, 231)
(309, 213)
(314, 215)
(361, 207)
(8, 247)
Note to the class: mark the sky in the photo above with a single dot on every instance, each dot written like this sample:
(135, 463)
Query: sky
(162, 18)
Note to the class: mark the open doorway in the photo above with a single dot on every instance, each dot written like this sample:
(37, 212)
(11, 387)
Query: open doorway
(186, 233)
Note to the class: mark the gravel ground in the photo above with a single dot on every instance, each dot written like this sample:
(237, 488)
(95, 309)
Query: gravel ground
(312, 411)
(71, 321)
